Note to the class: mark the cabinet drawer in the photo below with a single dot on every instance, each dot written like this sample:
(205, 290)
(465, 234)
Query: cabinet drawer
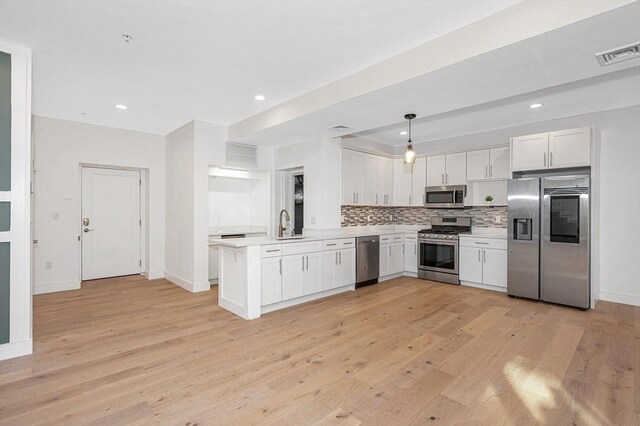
(391, 238)
(331, 244)
(495, 243)
(410, 237)
(347, 243)
(297, 248)
(272, 250)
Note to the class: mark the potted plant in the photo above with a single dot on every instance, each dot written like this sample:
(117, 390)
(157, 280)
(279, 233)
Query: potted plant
(488, 199)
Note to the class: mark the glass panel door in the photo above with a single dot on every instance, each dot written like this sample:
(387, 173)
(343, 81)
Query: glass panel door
(564, 224)
(440, 197)
(441, 256)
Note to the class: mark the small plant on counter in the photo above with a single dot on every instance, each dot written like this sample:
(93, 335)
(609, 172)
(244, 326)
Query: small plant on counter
(488, 199)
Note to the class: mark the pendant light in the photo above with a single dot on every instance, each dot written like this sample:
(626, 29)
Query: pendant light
(409, 156)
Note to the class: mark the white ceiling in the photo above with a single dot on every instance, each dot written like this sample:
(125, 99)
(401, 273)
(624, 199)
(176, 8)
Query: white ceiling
(557, 68)
(207, 59)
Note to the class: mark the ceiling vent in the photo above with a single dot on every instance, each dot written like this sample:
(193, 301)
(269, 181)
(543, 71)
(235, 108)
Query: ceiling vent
(340, 128)
(619, 54)
(241, 156)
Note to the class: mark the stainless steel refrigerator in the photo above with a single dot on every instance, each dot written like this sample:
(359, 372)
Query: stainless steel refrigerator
(548, 239)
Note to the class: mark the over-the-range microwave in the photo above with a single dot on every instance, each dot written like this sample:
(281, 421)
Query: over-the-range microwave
(445, 197)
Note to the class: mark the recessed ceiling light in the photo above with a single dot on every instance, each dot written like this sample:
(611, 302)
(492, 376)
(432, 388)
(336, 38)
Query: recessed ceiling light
(259, 97)
(534, 106)
(403, 133)
(121, 106)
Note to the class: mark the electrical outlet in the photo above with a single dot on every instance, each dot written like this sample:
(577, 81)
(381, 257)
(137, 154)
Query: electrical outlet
(48, 265)
(56, 216)
(313, 220)
(498, 219)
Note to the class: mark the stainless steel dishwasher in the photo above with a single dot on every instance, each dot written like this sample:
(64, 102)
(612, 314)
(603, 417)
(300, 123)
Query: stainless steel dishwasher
(367, 260)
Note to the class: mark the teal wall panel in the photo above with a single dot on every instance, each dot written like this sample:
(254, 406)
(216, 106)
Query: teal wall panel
(5, 122)
(5, 216)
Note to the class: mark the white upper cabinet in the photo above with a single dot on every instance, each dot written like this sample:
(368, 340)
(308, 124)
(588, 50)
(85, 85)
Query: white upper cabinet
(478, 165)
(436, 169)
(530, 152)
(456, 173)
(498, 163)
(402, 180)
(353, 177)
(419, 178)
(385, 181)
(371, 180)
(486, 164)
(570, 148)
(555, 150)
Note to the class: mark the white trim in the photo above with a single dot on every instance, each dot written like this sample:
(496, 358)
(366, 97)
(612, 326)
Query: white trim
(484, 286)
(390, 277)
(305, 299)
(5, 237)
(154, 275)
(16, 349)
(627, 299)
(56, 286)
(187, 285)
(5, 196)
(234, 308)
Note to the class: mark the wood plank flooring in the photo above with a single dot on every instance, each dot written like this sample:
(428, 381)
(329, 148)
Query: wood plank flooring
(407, 351)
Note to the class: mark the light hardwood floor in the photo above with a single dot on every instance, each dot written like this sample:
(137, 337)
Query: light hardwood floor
(407, 351)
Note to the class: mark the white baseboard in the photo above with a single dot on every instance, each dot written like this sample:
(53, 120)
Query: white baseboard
(484, 286)
(187, 285)
(626, 299)
(305, 299)
(233, 307)
(55, 287)
(16, 349)
(390, 277)
(154, 275)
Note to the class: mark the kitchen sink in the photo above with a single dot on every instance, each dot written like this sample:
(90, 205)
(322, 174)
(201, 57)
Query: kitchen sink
(296, 237)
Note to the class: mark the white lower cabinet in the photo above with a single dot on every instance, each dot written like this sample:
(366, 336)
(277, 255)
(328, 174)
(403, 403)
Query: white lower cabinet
(483, 261)
(411, 254)
(312, 277)
(339, 268)
(213, 262)
(391, 255)
(271, 280)
(292, 276)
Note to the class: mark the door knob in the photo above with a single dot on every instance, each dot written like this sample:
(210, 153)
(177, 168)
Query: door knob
(87, 230)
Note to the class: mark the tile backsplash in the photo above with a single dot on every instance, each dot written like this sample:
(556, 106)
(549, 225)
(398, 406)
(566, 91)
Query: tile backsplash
(483, 217)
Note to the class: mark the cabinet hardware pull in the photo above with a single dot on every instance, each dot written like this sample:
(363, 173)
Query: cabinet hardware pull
(350, 242)
(545, 159)
(551, 159)
(302, 258)
(443, 178)
(376, 198)
(336, 258)
(491, 171)
(329, 245)
(478, 242)
(354, 198)
(389, 250)
(479, 255)
(484, 257)
(415, 249)
(357, 198)
(307, 263)
(280, 261)
(273, 251)
(340, 255)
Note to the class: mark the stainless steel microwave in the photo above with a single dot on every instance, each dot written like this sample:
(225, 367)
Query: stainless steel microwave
(445, 197)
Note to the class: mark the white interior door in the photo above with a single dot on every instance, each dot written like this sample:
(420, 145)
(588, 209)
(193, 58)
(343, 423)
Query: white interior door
(111, 225)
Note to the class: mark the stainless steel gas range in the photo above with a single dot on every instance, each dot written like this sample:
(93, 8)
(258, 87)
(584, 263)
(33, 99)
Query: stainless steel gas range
(438, 255)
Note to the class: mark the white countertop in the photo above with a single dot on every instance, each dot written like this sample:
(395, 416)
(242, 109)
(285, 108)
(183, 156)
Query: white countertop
(346, 232)
(500, 233)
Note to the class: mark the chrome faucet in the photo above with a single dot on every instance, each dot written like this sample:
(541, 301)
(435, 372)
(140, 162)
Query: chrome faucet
(281, 227)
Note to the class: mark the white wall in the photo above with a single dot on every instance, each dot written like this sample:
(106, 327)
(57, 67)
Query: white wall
(60, 147)
(616, 257)
(239, 201)
(322, 163)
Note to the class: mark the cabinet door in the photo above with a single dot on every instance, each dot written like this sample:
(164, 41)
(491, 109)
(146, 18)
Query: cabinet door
(402, 179)
(456, 173)
(385, 259)
(494, 270)
(419, 181)
(292, 276)
(436, 169)
(213, 262)
(371, 181)
(478, 165)
(313, 282)
(470, 264)
(271, 280)
(397, 258)
(348, 191)
(499, 163)
(411, 256)
(570, 148)
(529, 152)
(346, 267)
(330, 267)
(385, 181)
(359, 166)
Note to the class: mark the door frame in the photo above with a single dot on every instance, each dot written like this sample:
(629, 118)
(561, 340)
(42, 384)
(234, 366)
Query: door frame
(144, 215)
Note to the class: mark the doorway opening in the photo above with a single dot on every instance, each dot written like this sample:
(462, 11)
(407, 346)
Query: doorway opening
(289, 192)
(111, 232)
